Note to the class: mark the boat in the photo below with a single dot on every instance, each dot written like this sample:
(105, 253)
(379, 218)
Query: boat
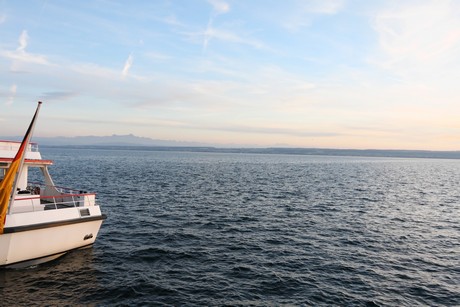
(40, 221)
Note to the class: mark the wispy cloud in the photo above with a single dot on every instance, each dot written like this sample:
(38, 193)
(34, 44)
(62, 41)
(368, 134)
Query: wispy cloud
(307, 11)
(268, 130)
(95, 70)
(417, 38)
(23, 39)
(219, 7)
(231, 37)
(156, 56)
(127, 67)
(323, 7)
(2, 18)
(12, 95)
(20, 54)
(171, 20)
(58, 95)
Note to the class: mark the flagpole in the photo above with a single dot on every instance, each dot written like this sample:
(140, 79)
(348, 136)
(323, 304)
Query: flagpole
(24, 146)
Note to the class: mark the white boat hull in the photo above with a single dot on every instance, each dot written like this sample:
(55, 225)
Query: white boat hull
(46, 238)
(40, 221)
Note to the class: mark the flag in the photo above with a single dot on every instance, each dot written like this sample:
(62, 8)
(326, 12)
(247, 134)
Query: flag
(8, 184)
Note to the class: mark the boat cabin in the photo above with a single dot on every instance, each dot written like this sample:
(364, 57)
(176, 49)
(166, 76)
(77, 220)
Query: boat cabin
(36, 196)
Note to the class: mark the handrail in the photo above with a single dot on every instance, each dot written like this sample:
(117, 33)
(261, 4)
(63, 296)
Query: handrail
(55, 196)
(62, 198)
(62, 189)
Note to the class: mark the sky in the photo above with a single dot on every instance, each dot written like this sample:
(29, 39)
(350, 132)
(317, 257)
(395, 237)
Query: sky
(357, 74)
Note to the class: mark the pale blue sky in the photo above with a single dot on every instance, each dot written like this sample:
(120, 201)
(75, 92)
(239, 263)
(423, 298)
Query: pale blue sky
(307, 73)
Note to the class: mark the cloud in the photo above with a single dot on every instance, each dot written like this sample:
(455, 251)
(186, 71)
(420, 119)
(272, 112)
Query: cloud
(95, 71)
(220, 7)
(268, 130)
(211, 32)
(127, 67)
(307, 11)
(23, 39)
(230, 37)
(156, 56)
(329, 7)
(88, 73)
(417, 39)
(21, 55)
(12, 95)
(207, 35)
(2, 18)
(58, 95)
(171, 20)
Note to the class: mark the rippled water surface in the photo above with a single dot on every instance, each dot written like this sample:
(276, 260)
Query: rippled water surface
(239, 229)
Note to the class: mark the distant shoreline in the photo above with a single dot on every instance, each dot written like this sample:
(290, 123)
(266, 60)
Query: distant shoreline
(287, 151)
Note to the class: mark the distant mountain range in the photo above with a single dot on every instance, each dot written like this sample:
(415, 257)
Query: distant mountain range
(113, 140)
(142, 143)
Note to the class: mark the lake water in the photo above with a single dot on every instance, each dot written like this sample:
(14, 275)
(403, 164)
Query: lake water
(202, 229)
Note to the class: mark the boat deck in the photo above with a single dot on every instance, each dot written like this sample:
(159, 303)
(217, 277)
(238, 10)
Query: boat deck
(36, 198)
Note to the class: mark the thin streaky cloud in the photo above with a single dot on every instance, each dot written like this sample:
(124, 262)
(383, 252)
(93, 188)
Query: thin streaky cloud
(415, 39)
(157, 56)
(171, 20)
(58, 96)
(228, 37)
(270, 130)
(23, 40)
(12, 95)
(307, 11)
(95, 70)
(128, 122)
(214, 127)
(219, 7)
(329, 7)
(207, 35)
(21, 55)
(128, 65)
(24, 57)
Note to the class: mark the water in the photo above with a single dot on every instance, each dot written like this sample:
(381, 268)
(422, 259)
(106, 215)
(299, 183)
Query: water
(202, 229)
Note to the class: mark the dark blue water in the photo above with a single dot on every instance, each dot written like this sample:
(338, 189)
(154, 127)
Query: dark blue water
(238, 229)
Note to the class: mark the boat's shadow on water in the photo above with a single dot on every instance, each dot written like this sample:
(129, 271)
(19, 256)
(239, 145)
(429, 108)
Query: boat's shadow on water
(68, 280)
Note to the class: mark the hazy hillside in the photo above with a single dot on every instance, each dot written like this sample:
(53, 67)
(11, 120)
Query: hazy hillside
(141, 143)
(113, 140)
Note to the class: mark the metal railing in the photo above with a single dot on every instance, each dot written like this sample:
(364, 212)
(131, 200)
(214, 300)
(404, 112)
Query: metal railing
(32, 199)
(62, 190)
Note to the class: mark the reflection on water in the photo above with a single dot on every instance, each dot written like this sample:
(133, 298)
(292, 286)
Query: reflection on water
(64, 281)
